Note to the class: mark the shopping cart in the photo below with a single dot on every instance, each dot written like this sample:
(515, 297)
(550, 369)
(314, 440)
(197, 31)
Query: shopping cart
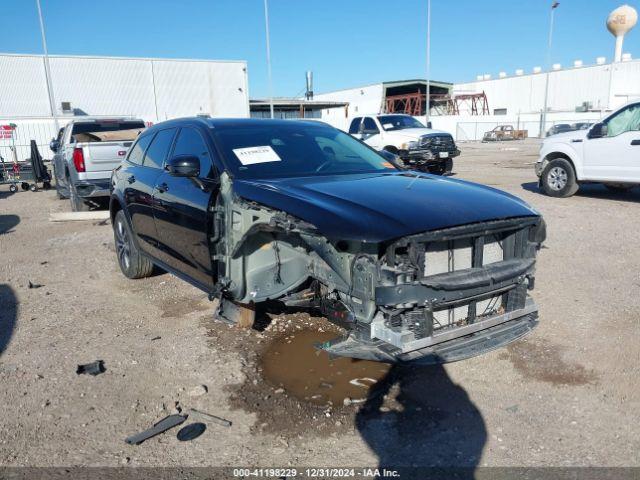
(26, 174)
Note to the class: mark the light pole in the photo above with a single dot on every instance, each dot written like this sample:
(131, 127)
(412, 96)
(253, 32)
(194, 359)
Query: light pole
(428, 88)
(266, 27)
(47, 69)
(543, 120)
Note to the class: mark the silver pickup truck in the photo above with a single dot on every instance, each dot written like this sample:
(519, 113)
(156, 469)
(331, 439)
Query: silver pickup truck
(85, 153)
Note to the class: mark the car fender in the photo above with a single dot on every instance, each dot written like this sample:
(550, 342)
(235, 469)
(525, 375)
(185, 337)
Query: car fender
(556, 150)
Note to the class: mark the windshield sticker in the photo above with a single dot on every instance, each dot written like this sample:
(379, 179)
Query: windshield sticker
(387, 125)
(252, 155)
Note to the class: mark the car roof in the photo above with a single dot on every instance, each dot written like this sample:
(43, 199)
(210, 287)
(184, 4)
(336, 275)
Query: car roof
(231, 122)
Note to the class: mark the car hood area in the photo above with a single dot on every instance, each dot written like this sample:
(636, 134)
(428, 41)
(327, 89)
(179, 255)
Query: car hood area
(376, 207)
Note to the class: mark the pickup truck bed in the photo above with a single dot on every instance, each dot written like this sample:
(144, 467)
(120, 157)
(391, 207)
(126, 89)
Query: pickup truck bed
(86, 152)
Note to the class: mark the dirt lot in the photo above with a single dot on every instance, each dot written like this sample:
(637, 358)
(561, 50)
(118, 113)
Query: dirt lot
(567, 395)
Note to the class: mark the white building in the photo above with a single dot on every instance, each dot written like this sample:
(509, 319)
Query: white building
(603, 86)
(148, 88)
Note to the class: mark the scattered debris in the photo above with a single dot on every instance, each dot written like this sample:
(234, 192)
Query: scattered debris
(94, 368)
(198, 391)
(160, 427)
(34, 285)
(208, 417)
(191, 432)
(155, 338)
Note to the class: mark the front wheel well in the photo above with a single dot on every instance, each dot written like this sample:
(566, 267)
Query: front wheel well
(391, 149)
(555, 155)
(114, 208)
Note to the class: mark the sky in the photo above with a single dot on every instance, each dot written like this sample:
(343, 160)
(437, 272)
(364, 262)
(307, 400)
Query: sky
(346, 43)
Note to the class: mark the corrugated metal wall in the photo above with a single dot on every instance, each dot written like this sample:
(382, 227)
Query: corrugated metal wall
(568, 88)
(151, 89)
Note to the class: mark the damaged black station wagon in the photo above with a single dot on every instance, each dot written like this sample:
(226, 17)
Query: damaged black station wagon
(414, 267)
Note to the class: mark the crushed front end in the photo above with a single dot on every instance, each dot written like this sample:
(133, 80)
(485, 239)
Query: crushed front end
(442, 296)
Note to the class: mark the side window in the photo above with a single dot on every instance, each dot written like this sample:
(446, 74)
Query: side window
(159, 148)
(355, 125)
(137, 151)
(626, 121)
(190, 142)
(369, 126)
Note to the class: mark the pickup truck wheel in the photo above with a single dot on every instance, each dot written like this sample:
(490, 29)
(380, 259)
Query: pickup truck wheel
(77, 203)
(559, 179)
(132, 263)
(443, 169)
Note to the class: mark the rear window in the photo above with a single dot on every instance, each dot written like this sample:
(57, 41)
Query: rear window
(107, 131)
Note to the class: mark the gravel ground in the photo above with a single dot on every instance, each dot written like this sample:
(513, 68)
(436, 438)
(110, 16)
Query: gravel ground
(567, 395)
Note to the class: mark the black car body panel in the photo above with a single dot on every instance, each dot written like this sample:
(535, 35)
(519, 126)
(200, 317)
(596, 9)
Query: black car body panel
(413, 266)
(345, 206)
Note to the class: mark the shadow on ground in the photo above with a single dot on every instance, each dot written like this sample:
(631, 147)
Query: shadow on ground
(593, 190)
(8, 315)
(434, 424)
(7, 222)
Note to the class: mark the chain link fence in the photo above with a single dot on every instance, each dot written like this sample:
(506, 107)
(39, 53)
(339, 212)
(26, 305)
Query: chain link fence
(15, 139)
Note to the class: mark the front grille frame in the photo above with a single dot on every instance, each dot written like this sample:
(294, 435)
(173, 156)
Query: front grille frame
(408, 254)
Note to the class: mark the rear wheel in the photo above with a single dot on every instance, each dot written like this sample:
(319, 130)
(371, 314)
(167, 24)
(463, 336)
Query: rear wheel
(559, 179)
(132, 263)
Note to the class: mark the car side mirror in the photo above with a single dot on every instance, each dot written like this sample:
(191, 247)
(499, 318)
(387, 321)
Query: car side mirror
(54, 145)
(599, 130)
(184, 166)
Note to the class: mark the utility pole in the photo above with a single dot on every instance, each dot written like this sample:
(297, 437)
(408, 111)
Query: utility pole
(266, 27)
(543, 119)
(428, 88)
(47, 70)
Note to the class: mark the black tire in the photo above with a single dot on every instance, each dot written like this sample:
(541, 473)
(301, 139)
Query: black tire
(559, 179)
(46, 185)
(77, 203)
(619, 187)
(24, 186)
(444, 168)
(391, 149)
(132, 263)
(13, 188)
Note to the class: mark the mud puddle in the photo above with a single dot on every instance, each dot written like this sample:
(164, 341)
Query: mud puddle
(293, 363)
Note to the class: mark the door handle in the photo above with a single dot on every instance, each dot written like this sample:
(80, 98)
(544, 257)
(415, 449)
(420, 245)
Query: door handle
(163, 187)
(131, 179)
(635, 143)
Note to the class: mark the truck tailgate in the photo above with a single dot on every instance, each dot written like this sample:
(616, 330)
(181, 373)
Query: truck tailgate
(103, 156)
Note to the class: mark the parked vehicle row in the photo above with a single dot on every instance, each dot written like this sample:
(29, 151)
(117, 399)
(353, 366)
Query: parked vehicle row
(608, 152)
(413, 267)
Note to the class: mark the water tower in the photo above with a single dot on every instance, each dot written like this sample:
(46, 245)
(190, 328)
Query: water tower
(620, 21)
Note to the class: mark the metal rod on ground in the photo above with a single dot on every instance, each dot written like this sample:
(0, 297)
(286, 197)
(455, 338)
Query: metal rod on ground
(47, 69)
(543, 120)
(266, 26)
(428, 88)
(193, 413)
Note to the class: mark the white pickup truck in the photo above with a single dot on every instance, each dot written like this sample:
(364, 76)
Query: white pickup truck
(85, 153)
(419, 148)
(608, 152)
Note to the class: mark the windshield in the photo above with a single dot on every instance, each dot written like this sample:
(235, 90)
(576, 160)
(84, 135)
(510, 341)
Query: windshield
(276, 150)
(399, 122)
